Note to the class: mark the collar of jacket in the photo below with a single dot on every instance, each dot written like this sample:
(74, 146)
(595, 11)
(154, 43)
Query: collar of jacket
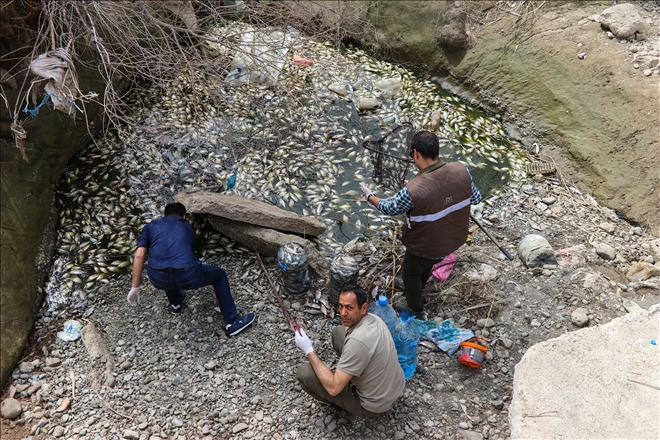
(430, 168)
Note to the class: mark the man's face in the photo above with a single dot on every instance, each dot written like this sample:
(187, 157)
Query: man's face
(350, 313)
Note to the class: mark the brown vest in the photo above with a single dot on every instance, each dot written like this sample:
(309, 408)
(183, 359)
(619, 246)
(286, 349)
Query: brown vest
(439, 221)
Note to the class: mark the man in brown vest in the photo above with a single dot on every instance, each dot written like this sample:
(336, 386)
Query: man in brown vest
(437, 206)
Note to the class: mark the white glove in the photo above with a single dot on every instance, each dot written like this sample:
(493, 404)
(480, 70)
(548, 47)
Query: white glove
(303, 342)
(365, 190)
(133, 297)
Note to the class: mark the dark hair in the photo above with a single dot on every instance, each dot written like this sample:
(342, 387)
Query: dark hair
(359, 292)
(175, 209)
(426, 144)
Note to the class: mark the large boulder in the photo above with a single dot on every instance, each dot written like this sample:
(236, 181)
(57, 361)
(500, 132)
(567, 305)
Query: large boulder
(268, 241)
(623, 20)
(561, 390)
(249, 211)
(453, 34)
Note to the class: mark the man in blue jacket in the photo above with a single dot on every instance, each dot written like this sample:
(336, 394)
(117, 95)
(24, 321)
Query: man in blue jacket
(174, 268)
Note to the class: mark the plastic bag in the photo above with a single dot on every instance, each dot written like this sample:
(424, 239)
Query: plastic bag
(71, 331)
(343, 270)
(446, 337)
(442, 269)
(292, 259)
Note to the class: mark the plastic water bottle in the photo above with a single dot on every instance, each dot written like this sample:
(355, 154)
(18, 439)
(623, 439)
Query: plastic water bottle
(292, 258)
(384, 311)
(344, 269)
(406, 339)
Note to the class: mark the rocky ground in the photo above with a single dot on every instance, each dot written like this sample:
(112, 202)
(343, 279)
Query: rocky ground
(143, 373)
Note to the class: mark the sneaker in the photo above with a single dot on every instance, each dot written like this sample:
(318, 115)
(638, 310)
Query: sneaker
(239, 324)
(176, 310)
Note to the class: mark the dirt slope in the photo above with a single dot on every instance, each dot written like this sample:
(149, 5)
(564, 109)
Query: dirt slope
(600, 109)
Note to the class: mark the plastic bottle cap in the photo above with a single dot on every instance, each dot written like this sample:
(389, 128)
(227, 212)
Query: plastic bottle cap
(405, 316)
(382, 301)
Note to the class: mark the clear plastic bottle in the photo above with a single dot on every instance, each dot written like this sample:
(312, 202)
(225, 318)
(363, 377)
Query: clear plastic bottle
(344, 269)
(292, 259)
(406, 339)
(384, 311)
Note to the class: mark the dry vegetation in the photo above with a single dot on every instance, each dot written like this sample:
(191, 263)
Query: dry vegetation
(142, 42)
(152, 42)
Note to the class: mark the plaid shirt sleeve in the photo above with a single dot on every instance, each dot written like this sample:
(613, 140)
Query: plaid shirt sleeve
(476, 194)
(399, 204)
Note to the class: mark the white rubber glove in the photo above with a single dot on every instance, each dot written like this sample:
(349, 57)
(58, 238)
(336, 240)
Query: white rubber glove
(365, 190)
(133, 297)
(303, 342)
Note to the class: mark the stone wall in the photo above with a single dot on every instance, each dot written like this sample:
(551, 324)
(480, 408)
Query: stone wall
(27, 214)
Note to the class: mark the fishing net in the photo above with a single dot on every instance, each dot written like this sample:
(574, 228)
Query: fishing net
(390, 156)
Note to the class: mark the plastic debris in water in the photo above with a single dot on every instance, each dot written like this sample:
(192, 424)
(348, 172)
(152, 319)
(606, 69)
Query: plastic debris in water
(232, 180)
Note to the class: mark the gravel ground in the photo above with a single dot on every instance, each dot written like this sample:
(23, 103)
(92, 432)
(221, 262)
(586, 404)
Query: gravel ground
(142, 373)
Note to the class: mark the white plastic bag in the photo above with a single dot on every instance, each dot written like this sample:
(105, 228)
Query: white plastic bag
(62, 86)
(71, 331)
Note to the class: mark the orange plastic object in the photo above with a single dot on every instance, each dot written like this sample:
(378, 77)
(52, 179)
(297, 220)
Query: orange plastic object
(472, 354)
(300, 61)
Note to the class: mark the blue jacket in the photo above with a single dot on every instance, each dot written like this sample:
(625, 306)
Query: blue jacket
(170, 242)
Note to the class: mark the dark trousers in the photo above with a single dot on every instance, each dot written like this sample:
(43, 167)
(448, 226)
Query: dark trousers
(348, 399)
(174, 282)
(415, 272)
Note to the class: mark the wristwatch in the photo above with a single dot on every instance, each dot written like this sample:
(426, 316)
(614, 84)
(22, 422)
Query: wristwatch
(372, 194)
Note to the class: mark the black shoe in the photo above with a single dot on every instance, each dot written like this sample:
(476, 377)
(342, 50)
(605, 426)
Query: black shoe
(239, 324)
(176, 310)
(419, 314)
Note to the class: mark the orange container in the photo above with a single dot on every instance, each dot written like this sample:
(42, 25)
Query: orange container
(472, 354)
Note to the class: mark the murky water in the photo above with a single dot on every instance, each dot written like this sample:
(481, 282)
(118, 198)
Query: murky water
(296, 145)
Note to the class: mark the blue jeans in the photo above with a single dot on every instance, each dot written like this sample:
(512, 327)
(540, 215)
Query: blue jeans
(175, 281)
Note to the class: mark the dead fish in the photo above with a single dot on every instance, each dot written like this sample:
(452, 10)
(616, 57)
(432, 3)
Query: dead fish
(430, 345)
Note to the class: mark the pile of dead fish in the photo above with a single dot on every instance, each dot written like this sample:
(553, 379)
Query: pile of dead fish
(294, 139)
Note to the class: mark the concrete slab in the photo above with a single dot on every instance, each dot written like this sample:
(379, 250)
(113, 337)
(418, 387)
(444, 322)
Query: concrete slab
(598, 382)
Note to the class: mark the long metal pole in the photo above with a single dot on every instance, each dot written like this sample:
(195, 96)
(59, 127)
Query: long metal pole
(277, 295)
(504, 251)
